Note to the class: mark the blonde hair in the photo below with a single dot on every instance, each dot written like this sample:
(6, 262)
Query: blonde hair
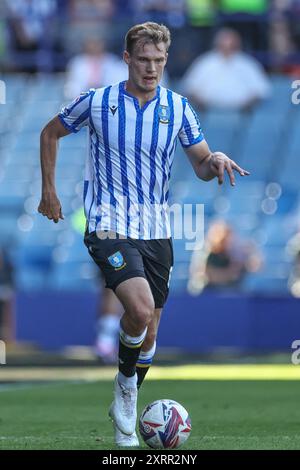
(147, 32)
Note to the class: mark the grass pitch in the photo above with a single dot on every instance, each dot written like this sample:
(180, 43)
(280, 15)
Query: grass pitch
(226, 414)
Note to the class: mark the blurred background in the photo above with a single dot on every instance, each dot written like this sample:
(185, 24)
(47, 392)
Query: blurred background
(236, 60)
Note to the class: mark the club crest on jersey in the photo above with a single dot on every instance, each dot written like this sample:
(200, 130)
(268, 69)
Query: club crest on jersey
(117, 261)
(164, 114)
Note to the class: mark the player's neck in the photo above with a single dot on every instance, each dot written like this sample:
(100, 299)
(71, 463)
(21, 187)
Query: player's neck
(142, 97)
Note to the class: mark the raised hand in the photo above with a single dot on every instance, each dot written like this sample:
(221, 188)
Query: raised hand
(220, 163)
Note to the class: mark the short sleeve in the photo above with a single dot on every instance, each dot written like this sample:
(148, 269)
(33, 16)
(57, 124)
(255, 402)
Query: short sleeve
(76, 115)
(190, 132)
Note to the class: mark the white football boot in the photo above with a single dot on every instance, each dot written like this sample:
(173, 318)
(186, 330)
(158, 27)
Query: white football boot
(123, 409)
(123, 440)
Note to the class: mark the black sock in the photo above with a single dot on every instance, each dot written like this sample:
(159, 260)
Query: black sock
(129, 351)
(127, 359)
(143, 364)
(141, 374)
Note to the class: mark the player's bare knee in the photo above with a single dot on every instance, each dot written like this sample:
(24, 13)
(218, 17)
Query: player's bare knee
(142, 313)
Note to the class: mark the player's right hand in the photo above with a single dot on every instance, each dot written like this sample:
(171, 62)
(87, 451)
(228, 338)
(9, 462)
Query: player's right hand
(50, 207)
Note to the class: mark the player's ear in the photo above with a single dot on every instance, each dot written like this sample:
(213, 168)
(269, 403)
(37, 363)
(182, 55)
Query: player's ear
(126, 57)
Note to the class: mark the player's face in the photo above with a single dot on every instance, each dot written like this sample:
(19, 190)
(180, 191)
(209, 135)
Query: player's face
(146, 64)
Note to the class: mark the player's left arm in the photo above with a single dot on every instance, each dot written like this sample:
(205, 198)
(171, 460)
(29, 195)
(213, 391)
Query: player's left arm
(208, 165)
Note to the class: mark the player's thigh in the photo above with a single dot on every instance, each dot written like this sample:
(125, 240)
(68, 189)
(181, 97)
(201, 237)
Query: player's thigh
(136, 297)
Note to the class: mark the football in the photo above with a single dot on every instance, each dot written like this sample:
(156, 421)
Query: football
(165, 424)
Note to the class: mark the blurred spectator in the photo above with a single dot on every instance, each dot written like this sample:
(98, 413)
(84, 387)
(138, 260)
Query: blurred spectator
(89, 18)
(169, 12)
(201, 12)
(90, 11)
(249, 18)
(226, 77)
(6, 298)
(31, 25)
(93, 68)
(124, 8)
(282, 41)
(224, 261)
(3, 35)
(192, 39)
(293, 250)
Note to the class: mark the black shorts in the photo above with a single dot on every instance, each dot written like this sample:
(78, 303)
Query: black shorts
(123, 258)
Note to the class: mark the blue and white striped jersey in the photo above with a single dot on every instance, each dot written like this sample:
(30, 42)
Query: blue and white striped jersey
(130, 157)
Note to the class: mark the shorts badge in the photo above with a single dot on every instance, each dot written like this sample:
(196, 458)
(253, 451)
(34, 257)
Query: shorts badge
(116, 260)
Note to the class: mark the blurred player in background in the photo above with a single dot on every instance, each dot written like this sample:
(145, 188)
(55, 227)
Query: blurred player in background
(7, 288)
(293, 251)
(133, 128)
(108, 309)
(108, 325)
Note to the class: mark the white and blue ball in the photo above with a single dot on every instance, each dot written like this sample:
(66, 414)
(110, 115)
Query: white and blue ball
(165, 424)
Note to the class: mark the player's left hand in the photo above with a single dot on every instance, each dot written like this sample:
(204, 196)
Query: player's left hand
(219, 163)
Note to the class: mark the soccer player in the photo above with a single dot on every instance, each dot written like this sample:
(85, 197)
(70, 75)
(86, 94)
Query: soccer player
(133, 129)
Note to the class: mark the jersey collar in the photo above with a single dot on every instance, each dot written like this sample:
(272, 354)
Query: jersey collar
(136, 101)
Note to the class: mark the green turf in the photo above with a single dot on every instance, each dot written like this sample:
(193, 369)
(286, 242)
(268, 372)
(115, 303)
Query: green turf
(225, 415)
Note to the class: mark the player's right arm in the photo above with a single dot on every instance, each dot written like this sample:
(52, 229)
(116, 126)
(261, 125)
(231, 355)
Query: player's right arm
(72, 118)
(50, 205)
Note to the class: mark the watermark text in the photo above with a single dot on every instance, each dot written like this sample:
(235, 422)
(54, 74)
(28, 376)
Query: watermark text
(2, 92)
(181, 221)
(296, 354)
(296, 93)
(2, 352)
